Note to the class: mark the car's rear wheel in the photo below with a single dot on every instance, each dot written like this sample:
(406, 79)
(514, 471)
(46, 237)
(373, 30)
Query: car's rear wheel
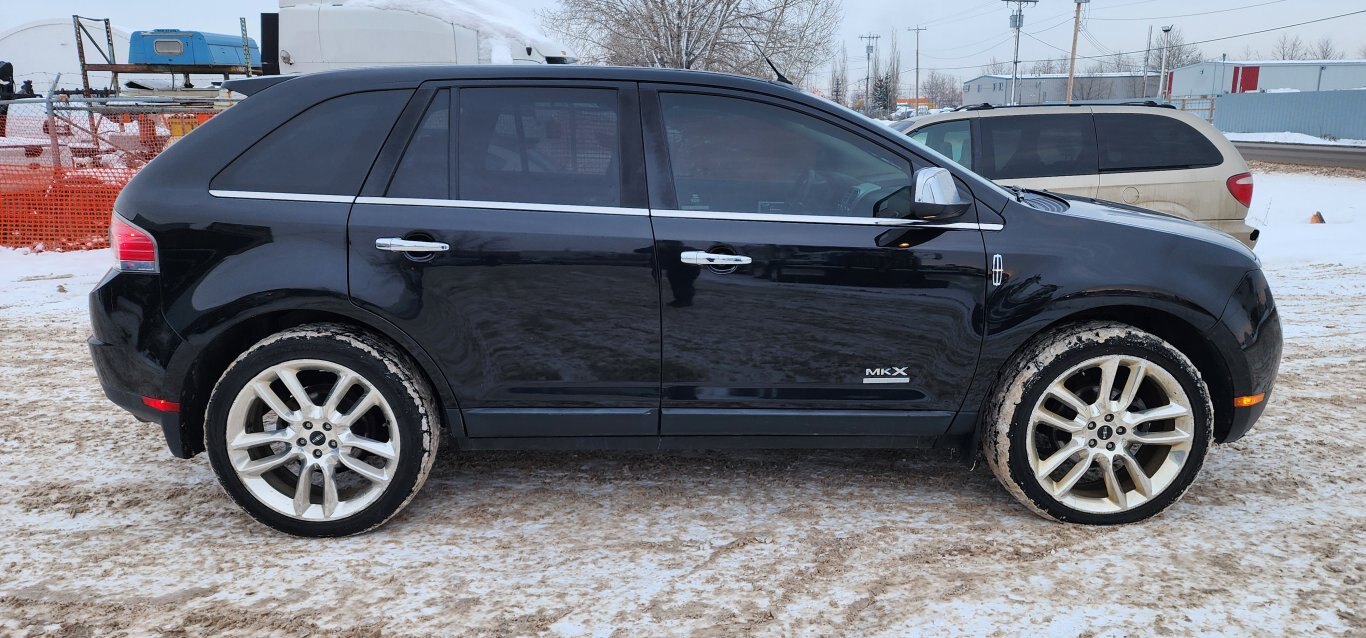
(1099, 423)
(321, 430)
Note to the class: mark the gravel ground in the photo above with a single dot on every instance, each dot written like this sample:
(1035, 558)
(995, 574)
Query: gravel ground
(103, 533)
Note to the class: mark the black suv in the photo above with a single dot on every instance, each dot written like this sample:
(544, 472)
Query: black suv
(324, 280)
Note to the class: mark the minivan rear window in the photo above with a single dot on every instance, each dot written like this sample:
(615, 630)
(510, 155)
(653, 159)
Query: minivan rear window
(327, 149)
(1025, 146)
(1135, 142)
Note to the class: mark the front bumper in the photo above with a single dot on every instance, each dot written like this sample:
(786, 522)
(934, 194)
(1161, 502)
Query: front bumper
(1248, 336)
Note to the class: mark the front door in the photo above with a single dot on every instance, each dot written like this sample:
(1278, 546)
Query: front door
(788, 308)
(518, 253)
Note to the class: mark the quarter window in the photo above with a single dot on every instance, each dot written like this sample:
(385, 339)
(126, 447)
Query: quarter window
(1134, 142)
(540, 145)
(951, 139)
(736, 155)
(425, 170)
(1024, 146)
(168, 47)
(327, 149)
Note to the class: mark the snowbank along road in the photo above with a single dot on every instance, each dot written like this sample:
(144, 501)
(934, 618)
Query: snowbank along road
(103, 533)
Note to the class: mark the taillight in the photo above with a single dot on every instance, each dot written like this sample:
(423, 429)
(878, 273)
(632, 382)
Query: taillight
(134, 249)
(1240, 186)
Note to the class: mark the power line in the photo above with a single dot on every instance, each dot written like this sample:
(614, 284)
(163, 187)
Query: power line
(1189, 15)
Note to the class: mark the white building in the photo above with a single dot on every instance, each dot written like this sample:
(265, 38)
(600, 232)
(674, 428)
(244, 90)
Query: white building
(1220, 77)
(1052, 87)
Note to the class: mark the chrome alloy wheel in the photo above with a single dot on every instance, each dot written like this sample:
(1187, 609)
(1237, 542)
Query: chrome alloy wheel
(312, 440)
(1110, 434)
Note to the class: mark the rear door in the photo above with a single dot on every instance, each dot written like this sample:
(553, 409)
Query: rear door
(817, 318)
(529, 277)
(1043, 152)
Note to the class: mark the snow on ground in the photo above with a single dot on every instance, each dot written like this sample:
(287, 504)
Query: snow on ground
(103, 533)
(1287, 137)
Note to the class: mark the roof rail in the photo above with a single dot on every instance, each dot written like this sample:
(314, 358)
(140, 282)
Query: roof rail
(1148, 103)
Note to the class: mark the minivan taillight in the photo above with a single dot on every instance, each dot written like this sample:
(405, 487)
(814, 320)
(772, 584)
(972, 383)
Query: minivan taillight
(1240, 186)
(134, 249)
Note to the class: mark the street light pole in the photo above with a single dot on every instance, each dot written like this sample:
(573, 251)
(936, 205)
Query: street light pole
(917, 31)
(1072, 66)
(1162, 88)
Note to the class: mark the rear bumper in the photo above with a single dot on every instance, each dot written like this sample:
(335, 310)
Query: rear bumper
(1238, 228)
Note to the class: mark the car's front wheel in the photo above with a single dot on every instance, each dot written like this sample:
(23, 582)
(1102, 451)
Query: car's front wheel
(322, 430)
(1099, 423)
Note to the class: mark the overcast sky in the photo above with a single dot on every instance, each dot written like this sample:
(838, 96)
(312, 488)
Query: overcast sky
(961, 35)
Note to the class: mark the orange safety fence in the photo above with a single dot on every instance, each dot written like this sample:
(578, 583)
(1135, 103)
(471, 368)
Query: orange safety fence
(60, 173)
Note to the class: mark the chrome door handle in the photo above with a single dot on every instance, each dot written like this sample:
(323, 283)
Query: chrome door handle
(394, 244)
(713, 259)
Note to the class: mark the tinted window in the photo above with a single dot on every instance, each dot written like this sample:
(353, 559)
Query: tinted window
(951, 139)
(1151, 142)
(327, 149)
(425, 170)
(1023, 146)
(548, 146)
(736, 155)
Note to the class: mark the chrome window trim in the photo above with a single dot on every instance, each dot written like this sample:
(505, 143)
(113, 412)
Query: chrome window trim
(287, 197)
(822, 219)
(469, 203)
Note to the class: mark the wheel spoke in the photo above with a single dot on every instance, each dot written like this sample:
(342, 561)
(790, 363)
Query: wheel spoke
(362, 468)
(1047, 466)
(1108, 370)
(382, 449)
(329, 471)
(303, 490)
(370, 400)
(1137, 373)
(290, 378)
(1173, 437)
(1061, 393)
(1169, 411)
(344, 383)
(1047, 417)
(248, 440)
(255, 467)
(1141, 481)
(272, 401)
(1116, 491)
(1069, 480)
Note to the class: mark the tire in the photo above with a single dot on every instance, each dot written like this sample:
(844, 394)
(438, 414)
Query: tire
(1036, 437)
(366, 438)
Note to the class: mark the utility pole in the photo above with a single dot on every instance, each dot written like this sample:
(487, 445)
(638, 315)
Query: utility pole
(1147, 51)
(1162, 87)
(1017, 23)
(871, 39)
(917, 31)
(1072, 66)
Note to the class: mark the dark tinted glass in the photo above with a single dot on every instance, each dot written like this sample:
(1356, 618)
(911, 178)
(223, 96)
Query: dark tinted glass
(742, 156)
(327, 149)
(1023, 146)
(540, 145)
(1133, 142)
(425, 170)
(952, 139)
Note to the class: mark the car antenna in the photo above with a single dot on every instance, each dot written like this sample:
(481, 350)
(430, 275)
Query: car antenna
(781, 78)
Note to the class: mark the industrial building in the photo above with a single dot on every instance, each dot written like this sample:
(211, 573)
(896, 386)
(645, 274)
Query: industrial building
(1052, 87)
(1228, 76)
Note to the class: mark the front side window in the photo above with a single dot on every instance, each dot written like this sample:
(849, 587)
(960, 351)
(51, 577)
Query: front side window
(1025, 146)
(327, 149)
(1134, 142)
(539, 145)
(736, 155)
(951, 139)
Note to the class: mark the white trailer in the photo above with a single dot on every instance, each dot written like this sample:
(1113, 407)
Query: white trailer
(340, 34)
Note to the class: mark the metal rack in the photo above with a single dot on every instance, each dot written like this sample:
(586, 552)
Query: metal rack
(111, 64)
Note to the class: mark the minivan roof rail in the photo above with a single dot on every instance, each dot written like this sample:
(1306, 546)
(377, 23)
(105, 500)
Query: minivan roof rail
(1148, 103)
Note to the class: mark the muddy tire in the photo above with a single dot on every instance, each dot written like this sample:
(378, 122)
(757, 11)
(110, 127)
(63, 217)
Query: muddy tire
(322, 430)
(1098, 423)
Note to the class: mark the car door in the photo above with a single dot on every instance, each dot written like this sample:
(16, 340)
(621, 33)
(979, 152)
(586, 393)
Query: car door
(789, 309)
(518, 252)
(1055, 152)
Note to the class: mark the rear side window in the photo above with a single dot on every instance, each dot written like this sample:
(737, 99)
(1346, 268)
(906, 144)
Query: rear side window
(1024, 146)
(951, 139)
(1134, 142)
(539, 145)
(327, 149)
(425, 170)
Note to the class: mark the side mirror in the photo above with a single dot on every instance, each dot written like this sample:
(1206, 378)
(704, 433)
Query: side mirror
(936, 196)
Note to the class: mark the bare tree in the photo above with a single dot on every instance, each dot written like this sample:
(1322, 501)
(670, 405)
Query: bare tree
(1250, 53)
(715, 35)
(1092, 85)
(995, 67)
(1044, 67)
(941, 89)
(1289, 47)
(892, 72)
(839, 78)
(1179, 53)
(1325, 49)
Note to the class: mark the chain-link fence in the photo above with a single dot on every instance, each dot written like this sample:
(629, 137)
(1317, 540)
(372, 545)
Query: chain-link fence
(64, 161)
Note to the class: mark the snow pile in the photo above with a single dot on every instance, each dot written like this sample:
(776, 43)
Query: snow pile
(35, 282)
(501, 26)
(1281, 206)
(1287, 137)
